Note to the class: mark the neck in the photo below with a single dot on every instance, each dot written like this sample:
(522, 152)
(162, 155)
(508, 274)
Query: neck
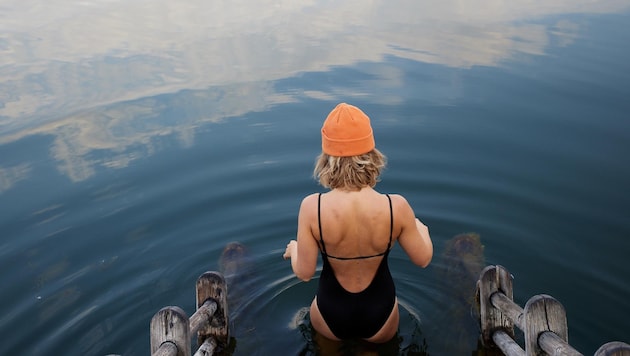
(353, 190)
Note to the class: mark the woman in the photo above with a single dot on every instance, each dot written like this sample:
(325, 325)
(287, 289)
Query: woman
(354, 227)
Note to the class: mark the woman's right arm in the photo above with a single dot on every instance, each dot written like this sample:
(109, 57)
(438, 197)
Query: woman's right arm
(414, 236)
(303, 252)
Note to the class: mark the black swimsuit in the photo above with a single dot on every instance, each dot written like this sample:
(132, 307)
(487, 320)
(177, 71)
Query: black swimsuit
(355, 315)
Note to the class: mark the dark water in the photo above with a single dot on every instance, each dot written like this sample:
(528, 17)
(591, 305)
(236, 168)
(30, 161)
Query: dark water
(138, 138)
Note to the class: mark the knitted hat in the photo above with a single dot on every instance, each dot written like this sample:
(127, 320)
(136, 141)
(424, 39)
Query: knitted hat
(347, 132)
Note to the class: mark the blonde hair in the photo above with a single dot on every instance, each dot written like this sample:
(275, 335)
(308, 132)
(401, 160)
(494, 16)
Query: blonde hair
(349, 173)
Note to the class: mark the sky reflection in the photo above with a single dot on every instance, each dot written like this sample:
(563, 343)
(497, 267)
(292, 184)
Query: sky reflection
(64, 64)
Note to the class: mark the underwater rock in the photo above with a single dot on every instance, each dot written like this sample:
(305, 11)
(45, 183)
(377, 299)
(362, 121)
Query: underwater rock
(234, 260)
(462, 261)
(459, 268)
(235, 266)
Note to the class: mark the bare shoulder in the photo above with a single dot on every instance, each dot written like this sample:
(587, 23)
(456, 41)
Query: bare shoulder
(309, 204)
(399, 202)
(310, 199)
(404, 215)
(398, 199)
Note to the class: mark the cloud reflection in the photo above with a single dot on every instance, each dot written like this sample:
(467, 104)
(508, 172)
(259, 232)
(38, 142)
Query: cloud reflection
(62, 62)
(11, 175)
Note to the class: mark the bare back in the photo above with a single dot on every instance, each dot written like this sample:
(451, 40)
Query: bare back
(355, 224)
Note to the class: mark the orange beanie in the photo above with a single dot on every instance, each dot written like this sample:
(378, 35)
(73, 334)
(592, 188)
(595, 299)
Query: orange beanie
(347, 132)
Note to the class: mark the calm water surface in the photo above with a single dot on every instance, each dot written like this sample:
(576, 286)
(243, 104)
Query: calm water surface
(138, 138)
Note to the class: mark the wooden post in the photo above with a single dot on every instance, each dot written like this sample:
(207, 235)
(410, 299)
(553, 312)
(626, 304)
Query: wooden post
(543, 320)
(545, 314)
(211, 285)
(494, 279)
(169, 326)
(613, 348)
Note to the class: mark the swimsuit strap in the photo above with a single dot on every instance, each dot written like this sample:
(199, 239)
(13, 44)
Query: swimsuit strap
(319, 222)
(355, 258)
(321, 234)
(391, 222)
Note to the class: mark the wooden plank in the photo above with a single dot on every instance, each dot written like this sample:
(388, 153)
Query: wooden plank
(207, 348)
(493, 279)
(166, 349)
(211, 286)
(614, 348)
(545, 313)
(169, 326)
(552, 344)
(507, 344)
(512, 310)
(202, 316)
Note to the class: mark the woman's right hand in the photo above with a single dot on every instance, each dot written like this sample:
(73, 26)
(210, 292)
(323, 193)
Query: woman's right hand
(290, 250)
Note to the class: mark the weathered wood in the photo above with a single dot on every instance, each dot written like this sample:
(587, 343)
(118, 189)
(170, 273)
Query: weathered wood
(202, 316)
(211, 286)
(170, 326)
(166, 349)
(552, 344)
(494, 279)
(507, 344)
(545, 313)
(613, 348)
(512, 310)
(543, 320)
(207, 348)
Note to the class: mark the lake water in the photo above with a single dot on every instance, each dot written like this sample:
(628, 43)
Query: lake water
(138, 138)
